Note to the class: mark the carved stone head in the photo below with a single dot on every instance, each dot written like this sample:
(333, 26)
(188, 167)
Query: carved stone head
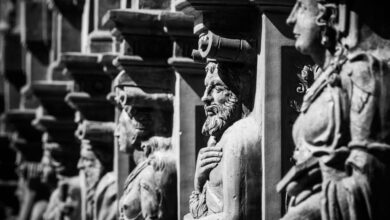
(224, 98)
(92, 163)
(63, 157)
(306, 27)
(134, 126)
(321, 25)
(96, 153)
(48, 171)
(137, 124)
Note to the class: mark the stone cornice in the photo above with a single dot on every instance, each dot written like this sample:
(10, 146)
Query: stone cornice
(88, 73)
(91, 108)
(20, 121)
(51, 95)
(186, 66)
(144, 74)
(56, 130)
(96, 131)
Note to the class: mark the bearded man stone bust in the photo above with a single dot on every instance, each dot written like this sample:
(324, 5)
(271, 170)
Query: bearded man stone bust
(228, 171)
(96, 161)
(143, 131)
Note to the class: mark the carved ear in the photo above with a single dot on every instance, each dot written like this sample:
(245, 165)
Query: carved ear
(327, 15)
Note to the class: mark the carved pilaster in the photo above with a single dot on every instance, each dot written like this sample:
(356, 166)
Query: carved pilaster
(228, 45)
(71, 10)
(36, 28)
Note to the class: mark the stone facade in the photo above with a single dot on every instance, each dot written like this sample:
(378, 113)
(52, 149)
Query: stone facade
(193, 109)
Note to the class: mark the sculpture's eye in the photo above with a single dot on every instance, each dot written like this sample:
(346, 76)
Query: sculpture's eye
(146, 186)
(219, 89)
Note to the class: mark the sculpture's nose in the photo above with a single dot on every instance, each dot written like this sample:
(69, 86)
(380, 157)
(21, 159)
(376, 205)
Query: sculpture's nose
(291, 19)
(206, 98)
(80, 165)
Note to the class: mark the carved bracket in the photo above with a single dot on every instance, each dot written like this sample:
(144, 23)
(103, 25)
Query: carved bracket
(87, 105)
(88, 73)
(51, 96)
(96, 131)
(213, 46)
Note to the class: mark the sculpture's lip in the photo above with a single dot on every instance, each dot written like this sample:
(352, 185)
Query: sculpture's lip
(210, 110)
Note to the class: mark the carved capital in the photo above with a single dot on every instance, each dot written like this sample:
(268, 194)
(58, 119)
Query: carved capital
(213, 46)
(56, 130)
(19, 121)
(51, 95)
(86, 105)
(96, 131)
(88, 73)
(154, 98)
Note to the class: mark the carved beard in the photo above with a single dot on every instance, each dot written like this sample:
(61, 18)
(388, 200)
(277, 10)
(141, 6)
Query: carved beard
(93, 176)
(225, 115)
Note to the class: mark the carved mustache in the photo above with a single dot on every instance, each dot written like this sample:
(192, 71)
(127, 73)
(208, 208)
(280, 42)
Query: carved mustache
(211, 109)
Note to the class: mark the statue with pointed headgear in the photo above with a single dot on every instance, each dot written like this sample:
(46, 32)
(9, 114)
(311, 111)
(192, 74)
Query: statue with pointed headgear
(143, 132)
(227, 178)
(65, 200)
(96, 161)
(342, 134)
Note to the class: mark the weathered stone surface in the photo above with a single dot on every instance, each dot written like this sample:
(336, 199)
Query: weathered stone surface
(52, 97)
(350, 175)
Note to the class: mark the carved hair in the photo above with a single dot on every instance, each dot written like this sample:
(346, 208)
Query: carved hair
(226, 114)
(238, 78)
(156, 143)
(326, 19)
(164, 163)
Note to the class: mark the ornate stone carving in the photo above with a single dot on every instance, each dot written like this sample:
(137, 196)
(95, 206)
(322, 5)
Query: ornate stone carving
(348, 146)
(235, 50)
(144, 131)
(54, 118)
(32, 193)
(96, 160)
(221, 191)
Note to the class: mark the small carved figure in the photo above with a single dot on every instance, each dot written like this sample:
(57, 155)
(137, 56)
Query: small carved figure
(150, 189)
(96, 160)
(342, 133)
(32, 192)
(227, 177)
(65, 201)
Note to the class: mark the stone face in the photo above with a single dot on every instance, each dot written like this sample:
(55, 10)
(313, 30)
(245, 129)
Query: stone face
(346, 163)
(195, 109)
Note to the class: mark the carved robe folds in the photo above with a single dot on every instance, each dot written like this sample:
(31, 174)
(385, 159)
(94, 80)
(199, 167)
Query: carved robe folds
(240, 157)
(349, 139)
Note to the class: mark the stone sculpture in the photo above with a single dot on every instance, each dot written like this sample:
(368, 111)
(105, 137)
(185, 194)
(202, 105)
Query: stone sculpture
(32, 192)
(96, 160)
(342, 133)
(226, 183)
(65, 201)
(143, 131)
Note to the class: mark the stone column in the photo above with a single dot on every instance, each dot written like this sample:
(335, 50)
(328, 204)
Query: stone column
(144, 53)
(278, 64)
(228, 45)
(26, 52)
(188, 108)
(146, 83)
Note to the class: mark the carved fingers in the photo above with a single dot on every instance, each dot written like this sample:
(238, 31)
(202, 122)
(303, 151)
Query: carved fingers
(210, 152)
(303, 187)
(208, 159)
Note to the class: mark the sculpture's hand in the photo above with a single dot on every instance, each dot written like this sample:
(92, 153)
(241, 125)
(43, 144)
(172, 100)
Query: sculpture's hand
(208, 159)
(301, 188)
